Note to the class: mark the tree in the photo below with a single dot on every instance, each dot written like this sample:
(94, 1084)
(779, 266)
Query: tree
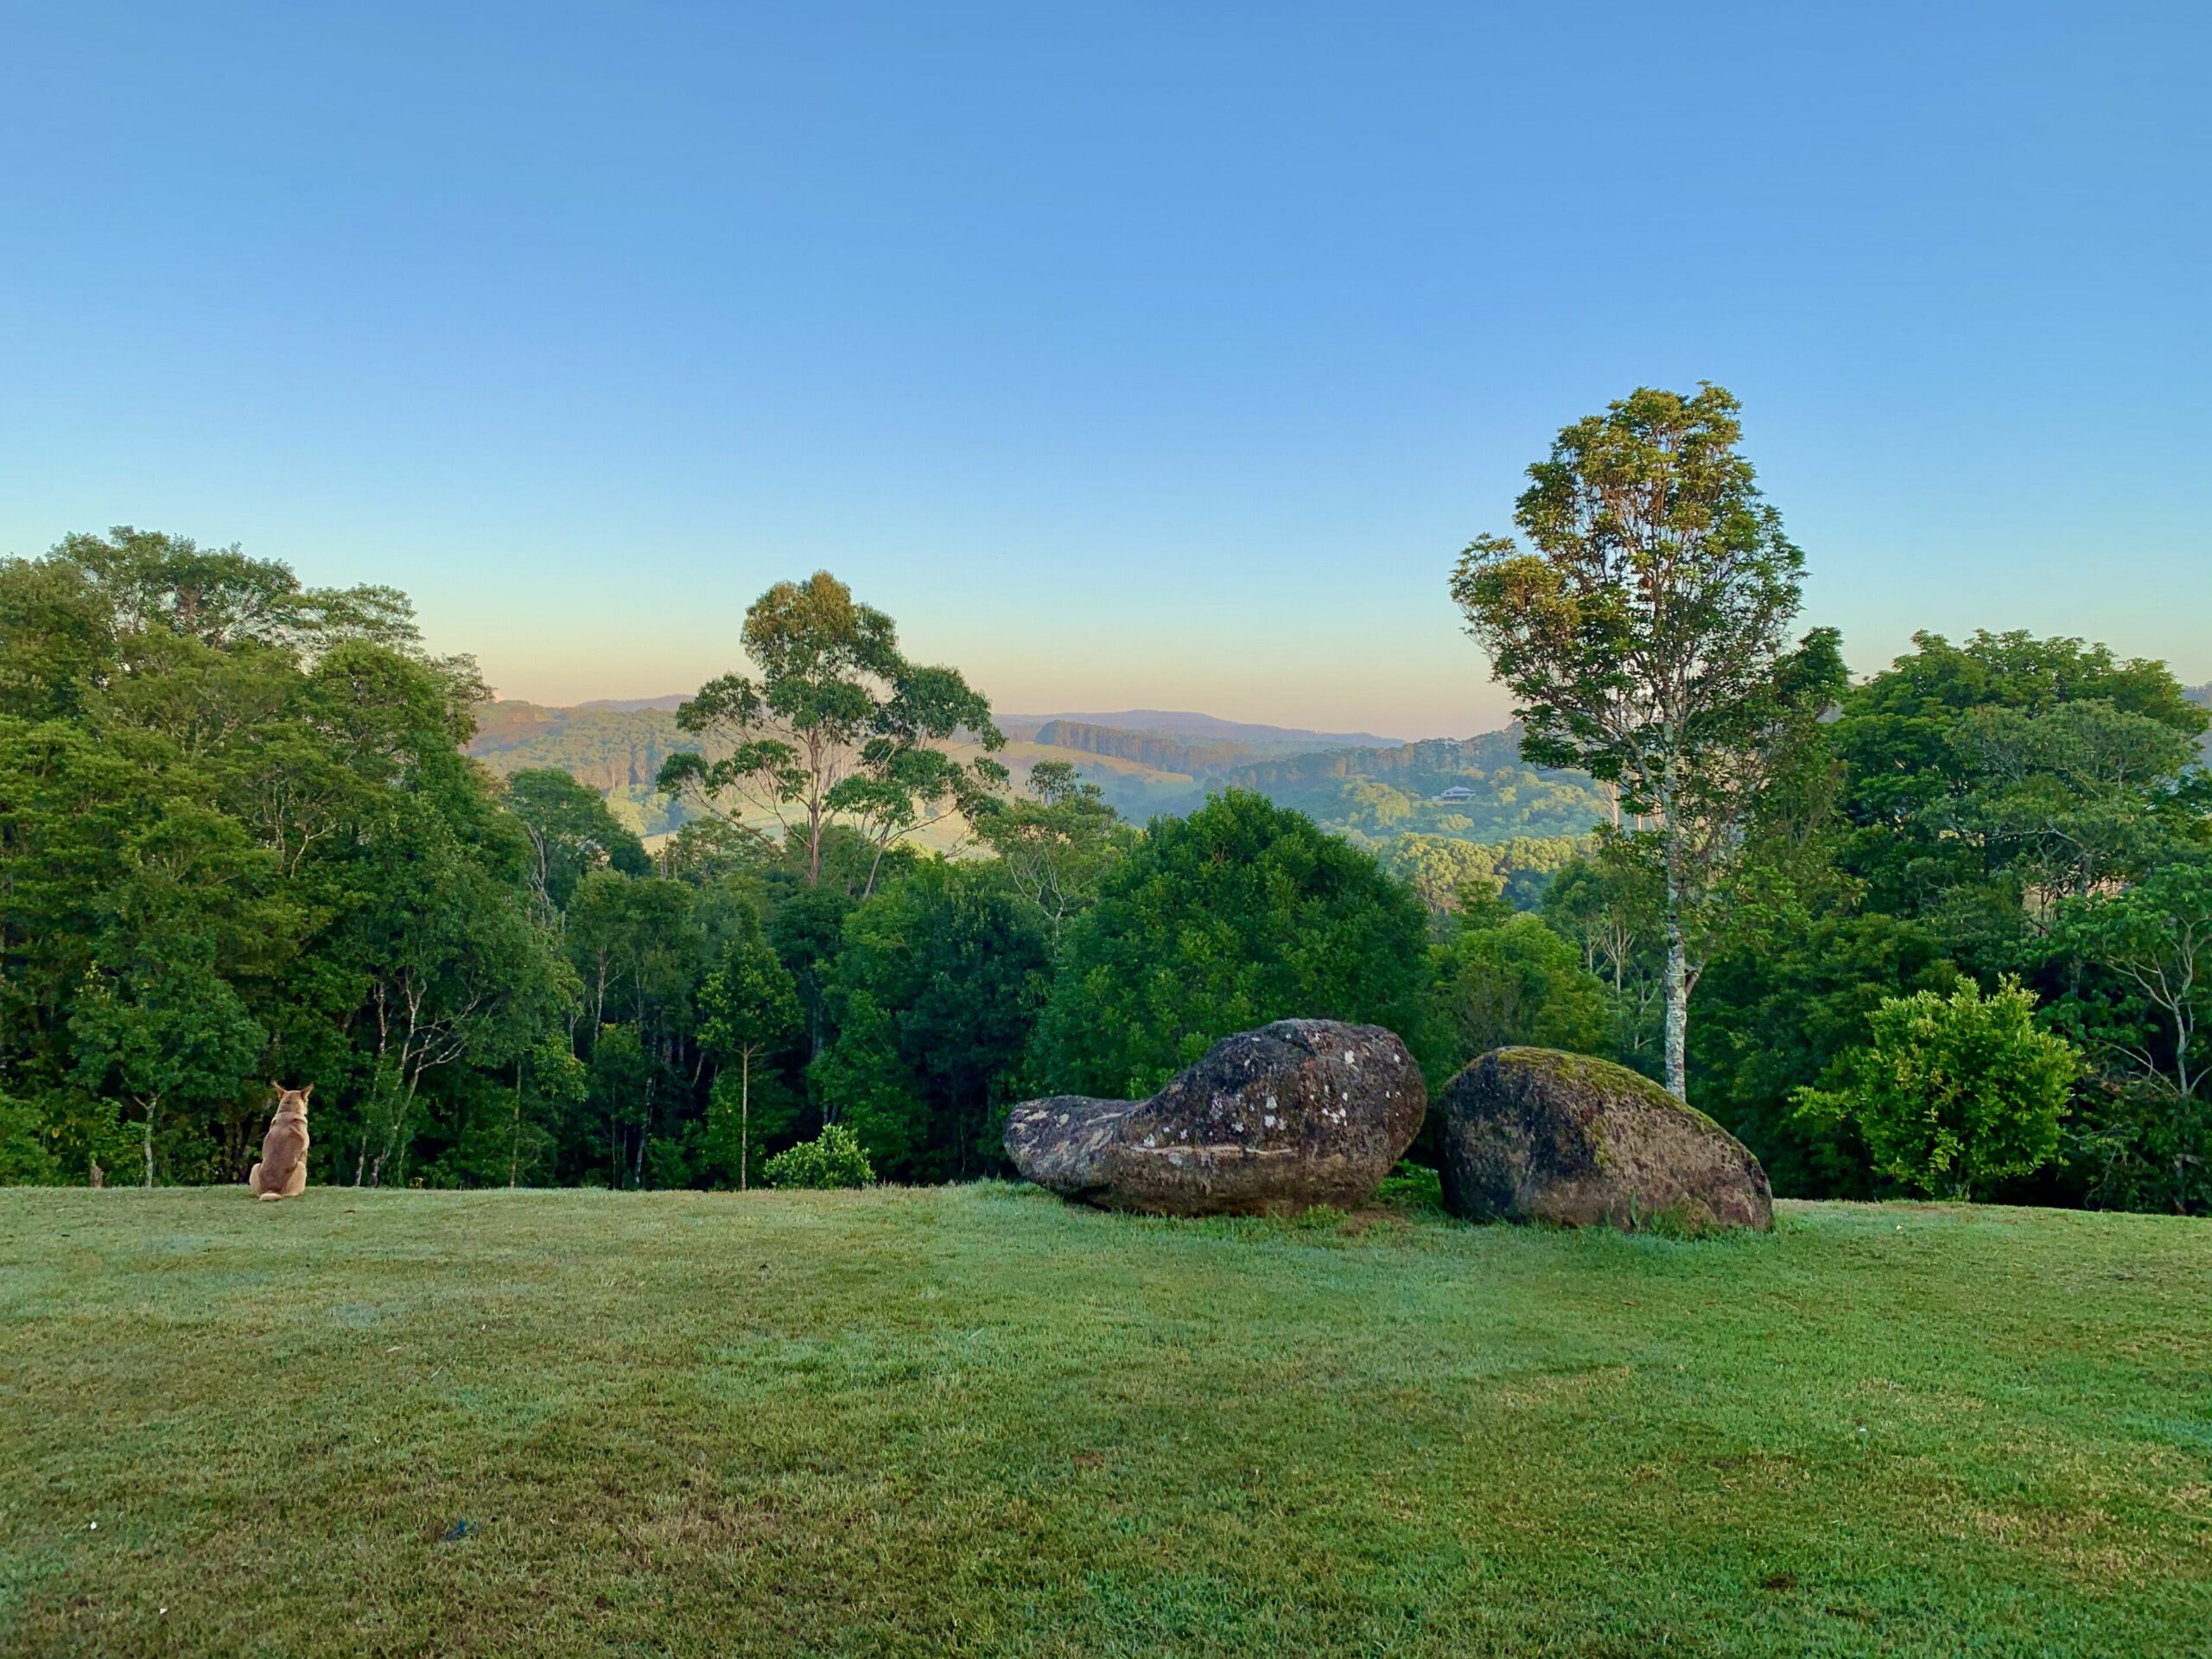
(838, 726)
(556, 1079)
(1954, 1092)
(1242, 913)
(747, 1007)
(166, 1029)
(934, 997)
(1439, 869)
(2137, 969)
(808, 930)
(1057, 844)
(620, 1090)
(1643, 638)
(570, 831)
(1778, 1012)
(2156, 938)
(2075, 795)
(1509, 979)
(1963, 761)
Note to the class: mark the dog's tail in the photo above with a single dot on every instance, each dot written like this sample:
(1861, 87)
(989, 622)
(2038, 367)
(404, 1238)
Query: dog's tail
(271, 1197)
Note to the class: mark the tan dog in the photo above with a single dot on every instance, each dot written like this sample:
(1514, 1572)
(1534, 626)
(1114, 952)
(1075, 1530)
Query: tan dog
(282, 1171)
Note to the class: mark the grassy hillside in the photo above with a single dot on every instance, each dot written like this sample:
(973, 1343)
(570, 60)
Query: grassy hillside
(976, 1422)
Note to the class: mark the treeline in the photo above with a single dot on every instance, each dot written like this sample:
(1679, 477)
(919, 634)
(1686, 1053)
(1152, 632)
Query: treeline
(240, 843)
(606, 748)
(1152, 749)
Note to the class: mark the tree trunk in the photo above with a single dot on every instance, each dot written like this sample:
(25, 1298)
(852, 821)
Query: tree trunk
(151, 1106)
(744, 1113)
(1678, 1008)
(1678, 984)
(514, 1146)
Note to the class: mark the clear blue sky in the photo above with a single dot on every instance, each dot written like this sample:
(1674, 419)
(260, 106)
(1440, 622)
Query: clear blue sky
(1128, 354)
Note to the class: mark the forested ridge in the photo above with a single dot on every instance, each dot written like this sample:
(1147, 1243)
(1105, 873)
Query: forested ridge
(1371, 792)
(242, 842)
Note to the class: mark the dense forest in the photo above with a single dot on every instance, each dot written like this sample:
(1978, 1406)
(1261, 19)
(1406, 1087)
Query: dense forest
(242, 842)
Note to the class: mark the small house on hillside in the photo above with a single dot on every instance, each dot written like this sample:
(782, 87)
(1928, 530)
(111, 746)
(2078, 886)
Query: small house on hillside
(1457, 793)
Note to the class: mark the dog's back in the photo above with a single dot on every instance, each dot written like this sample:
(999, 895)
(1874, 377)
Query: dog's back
(282, 1171)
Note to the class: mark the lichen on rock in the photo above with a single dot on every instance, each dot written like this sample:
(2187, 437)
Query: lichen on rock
(1299, 1113)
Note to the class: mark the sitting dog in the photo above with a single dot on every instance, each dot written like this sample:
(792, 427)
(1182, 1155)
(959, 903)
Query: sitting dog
(282, 1171)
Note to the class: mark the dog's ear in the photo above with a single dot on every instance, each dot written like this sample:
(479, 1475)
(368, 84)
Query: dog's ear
(305, 1092)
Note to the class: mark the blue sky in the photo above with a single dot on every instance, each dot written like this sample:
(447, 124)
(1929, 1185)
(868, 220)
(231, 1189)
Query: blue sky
(1128, 355)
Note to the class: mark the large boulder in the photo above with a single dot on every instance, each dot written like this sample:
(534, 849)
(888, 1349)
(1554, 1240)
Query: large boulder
(1298, 1113)
(1534, 1134)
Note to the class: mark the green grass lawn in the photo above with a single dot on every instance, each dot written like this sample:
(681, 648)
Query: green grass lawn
(977, 1421)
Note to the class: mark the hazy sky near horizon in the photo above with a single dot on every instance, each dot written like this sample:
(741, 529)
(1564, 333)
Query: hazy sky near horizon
(1130, 355)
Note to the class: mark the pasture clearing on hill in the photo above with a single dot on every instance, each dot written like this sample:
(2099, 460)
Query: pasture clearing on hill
(976, 1421)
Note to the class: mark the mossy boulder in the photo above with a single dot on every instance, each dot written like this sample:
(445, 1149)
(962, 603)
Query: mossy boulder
(1271, 1121)
(1532, 1135)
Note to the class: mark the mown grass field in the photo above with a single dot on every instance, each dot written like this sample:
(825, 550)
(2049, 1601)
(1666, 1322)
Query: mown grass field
(977, 1421)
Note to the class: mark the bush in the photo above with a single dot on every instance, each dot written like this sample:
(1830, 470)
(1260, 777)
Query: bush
(1952, 1092)
(834, 1158)
(1242, 913)
(24, 1160)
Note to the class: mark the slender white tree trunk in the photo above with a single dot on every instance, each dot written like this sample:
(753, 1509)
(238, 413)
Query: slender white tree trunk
(1677, 998)
(744, 1114)
(1678, 1005)
(149, 1146)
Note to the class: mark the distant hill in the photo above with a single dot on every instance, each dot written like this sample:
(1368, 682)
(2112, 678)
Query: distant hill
(1152, 749)
(673, 701)
(1165, 722)
(1366, 788)
(614, 748)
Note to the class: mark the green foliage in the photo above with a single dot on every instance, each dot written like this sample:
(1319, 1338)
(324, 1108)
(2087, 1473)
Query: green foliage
(1976, 771)
(833, 1158)
(237, 839)
(1240, 914)
(2137, 965)
(1440, 869)
(1512, 981)
(1057, 842)
(570, 831)
(25, 1158)
(1776, 1018)
(168, 1031)
(838, 726)
(935, 995)
(1643, 638)
(1370, 795)
(1952, 1093)
(748, 1006)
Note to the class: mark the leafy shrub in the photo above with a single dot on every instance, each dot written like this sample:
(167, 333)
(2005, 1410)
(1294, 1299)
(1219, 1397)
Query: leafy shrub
(1952, 1092)
(24, 1160)
(834, 1158)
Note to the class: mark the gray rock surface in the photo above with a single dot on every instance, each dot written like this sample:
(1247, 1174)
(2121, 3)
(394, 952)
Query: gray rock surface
(1534, 1134)
(1298, 1113)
